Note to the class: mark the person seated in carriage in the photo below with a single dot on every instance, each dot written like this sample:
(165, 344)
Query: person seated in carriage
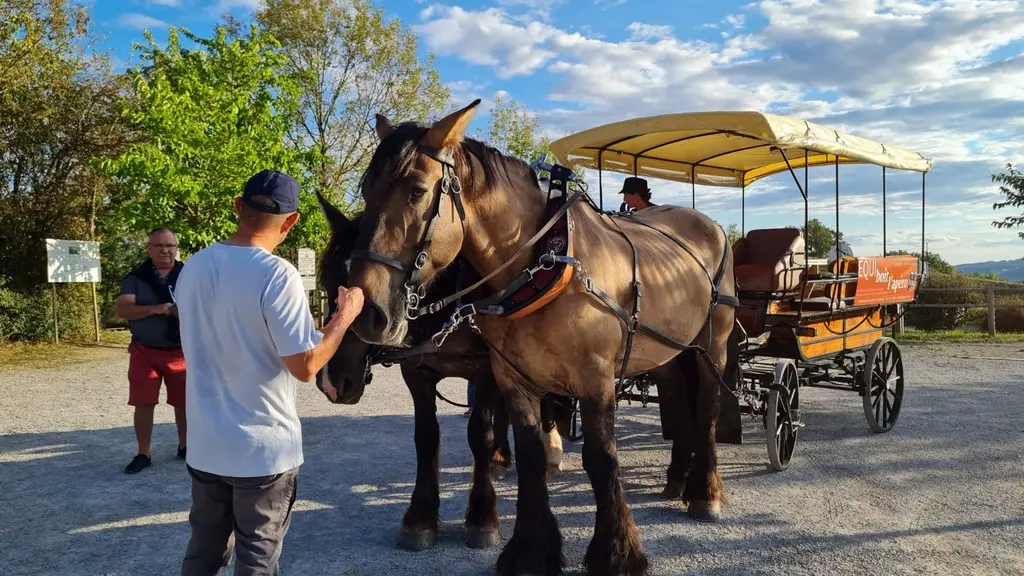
(635, 195)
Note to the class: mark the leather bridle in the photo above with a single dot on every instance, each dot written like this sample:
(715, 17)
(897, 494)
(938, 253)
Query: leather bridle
(415, 288)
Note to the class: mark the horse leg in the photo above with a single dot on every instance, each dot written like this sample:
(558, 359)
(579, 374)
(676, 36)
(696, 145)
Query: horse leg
(482, 512)
(704, 493)
(682, 375)
(536, 543)
(616, 547)
(552, 439)
(420, 523)
(501, 451)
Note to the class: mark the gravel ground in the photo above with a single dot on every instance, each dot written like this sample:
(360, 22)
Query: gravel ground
(939, 494)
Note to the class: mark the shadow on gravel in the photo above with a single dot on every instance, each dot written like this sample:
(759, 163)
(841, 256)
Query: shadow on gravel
(67, 508)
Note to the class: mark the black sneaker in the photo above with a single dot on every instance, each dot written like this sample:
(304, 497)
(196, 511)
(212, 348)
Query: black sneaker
(138, 463)
(181, 452)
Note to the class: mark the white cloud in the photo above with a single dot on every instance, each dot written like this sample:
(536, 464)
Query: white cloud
(943, 78)
(139, 21)
(226, 6)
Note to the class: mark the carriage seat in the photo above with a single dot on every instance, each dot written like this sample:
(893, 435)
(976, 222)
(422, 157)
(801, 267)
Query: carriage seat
(769, 260)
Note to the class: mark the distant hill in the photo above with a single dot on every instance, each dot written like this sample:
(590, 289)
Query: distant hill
(1012, 270)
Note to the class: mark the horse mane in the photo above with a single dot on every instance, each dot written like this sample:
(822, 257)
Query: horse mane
(396, 156)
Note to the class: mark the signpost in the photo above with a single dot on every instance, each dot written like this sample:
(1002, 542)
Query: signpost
(73, 261)
(307, 268)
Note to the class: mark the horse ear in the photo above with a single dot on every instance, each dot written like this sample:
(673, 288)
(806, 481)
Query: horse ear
(383, 127)
(334, 217)
(449, 130)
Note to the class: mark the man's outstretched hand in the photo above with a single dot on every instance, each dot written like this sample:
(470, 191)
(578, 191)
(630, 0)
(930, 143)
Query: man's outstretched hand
(349, 304)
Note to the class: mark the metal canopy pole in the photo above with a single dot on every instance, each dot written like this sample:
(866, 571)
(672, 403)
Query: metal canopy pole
(884, 252)
(805, 193)
(837, 213)
(600, 185)
(743, 208)
(693, 187)
(923, 246)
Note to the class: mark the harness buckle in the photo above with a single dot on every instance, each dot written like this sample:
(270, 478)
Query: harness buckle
(421, 260)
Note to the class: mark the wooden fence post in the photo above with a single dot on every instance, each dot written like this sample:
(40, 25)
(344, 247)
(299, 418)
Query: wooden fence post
(897, 328)
(991, 293)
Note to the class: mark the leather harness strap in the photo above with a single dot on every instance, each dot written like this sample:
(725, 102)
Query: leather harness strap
(416, 290)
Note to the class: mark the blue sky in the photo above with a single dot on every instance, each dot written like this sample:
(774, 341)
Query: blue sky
(940, 78)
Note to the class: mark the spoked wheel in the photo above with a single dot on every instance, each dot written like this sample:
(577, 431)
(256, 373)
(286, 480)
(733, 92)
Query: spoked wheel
(883, 385)
(782, 420)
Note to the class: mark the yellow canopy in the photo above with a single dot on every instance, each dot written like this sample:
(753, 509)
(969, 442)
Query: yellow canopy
(722, 148)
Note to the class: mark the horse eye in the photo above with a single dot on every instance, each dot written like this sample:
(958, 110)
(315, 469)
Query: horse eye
(418, 192)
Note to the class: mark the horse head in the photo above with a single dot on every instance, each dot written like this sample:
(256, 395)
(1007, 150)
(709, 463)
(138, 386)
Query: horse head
(347, 372)
(425, 188)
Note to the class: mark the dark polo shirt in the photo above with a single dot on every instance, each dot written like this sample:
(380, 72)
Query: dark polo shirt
(151, 330)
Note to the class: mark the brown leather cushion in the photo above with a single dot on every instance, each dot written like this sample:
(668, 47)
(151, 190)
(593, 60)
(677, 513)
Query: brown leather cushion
(770, 260)
(768, 277)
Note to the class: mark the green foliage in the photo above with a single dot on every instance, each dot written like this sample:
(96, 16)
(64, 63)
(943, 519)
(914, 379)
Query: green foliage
(27, 315)
(732, 232)
(935, 262)
(212, 117)
(23, 314)
(945, 318)
(820, 239)
(515, 131)
(350, 64)
(57, 113)
(1012, 187)
(36, 36)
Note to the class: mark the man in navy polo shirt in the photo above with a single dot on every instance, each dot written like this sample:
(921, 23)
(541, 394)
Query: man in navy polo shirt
(249, 339)
(154, 355)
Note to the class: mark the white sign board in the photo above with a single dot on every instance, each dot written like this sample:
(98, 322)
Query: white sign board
(307, 262)
(309, 283)
(72, 261)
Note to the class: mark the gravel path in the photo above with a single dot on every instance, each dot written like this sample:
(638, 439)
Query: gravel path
(942, 493)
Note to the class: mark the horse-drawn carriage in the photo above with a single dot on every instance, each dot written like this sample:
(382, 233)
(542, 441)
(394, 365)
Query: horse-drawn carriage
(799, 323)
(551, 293)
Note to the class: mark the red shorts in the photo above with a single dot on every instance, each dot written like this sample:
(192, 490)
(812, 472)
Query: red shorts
(146, 367)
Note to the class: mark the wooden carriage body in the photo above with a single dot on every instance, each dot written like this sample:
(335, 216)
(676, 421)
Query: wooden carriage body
(800, 322)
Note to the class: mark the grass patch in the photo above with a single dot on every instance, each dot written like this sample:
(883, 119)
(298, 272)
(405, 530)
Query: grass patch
(27, 355)
(913, 335)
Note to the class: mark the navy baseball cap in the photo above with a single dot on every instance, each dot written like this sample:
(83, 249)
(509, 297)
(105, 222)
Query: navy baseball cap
(279, 192)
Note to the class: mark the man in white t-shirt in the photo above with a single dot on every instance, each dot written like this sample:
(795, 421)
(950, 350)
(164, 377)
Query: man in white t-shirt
(248, 338)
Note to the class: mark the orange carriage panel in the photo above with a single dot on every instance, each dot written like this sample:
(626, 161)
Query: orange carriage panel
(834, 335)
(887, 280)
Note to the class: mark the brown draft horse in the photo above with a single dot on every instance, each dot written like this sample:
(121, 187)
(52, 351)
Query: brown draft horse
(575, 344)
(462, 355)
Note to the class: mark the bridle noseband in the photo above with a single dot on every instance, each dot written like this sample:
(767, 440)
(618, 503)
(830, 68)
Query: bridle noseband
(415, 288)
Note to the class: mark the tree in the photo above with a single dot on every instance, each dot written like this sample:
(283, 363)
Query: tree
(820, 239)
(350, 64)
(515, 131)
(212, 117)
(36, 35)
(1013, 189)
(57, 112)
(933, 260)
(733, 234)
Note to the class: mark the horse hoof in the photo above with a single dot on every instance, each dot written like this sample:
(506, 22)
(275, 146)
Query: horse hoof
(417, 540)
(673, 490)
(481, 537)
(554, 470)
(704, 512)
